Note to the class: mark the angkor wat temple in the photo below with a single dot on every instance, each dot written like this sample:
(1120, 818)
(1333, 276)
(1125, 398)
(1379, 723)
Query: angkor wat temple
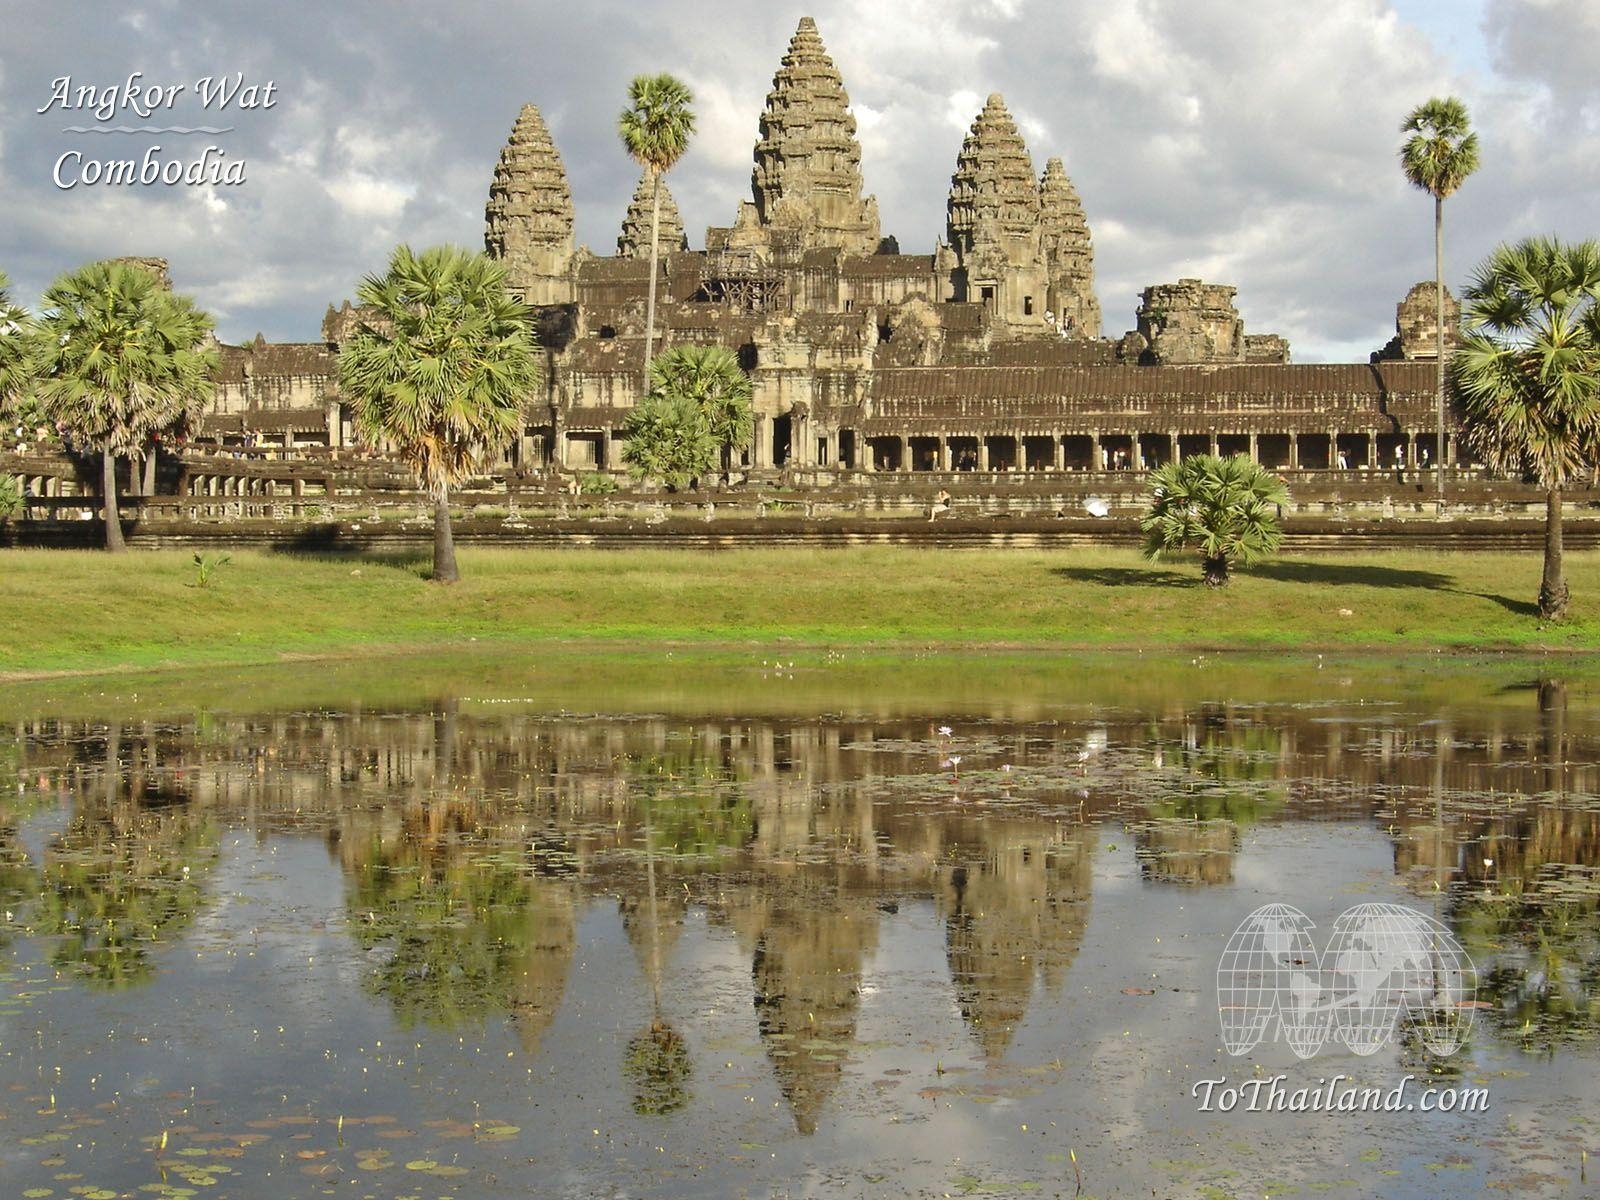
(985, 355)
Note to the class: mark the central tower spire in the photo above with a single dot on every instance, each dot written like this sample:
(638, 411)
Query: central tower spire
(807, 174)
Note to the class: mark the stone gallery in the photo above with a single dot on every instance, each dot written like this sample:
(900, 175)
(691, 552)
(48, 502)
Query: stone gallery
(985, 355)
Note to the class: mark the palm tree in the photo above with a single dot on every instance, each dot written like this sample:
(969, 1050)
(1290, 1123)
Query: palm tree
(1226, 507)
(440, 370)
(1438, 156)
(13, 339)
(1528, 375)
(711, 378)
(115, 359)
(655, 128)
(667, 439)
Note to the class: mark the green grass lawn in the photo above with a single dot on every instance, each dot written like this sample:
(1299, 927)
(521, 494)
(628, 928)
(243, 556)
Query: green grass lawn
(70, 610)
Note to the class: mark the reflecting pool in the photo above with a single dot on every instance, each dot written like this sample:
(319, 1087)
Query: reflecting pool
(742, 925)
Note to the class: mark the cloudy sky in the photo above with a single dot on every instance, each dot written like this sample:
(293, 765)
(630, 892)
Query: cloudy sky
(1249, 142)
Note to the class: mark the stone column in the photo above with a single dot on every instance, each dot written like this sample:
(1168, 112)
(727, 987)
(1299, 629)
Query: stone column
(983, 452)
(1255, 453)
(1059, 451)
(1172, 441)
(1138, 453)
(944, 452)
(1372, 451)
(1214, 443)
(1294, 451)
(905, 454)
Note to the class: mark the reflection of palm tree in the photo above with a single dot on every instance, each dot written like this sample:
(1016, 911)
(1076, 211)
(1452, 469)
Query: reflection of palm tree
(117, 884)
(656, 1061)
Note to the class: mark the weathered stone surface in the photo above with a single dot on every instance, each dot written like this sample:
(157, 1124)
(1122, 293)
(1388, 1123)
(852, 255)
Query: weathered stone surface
(1416, 327)
(994, 203)
(634, 240)
(528, 220)
(993, 220)
(153, 266)
(1191, 322)
(807, 174)
(1069, 253)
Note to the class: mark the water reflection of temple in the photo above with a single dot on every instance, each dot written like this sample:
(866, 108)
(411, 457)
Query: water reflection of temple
(472, 839)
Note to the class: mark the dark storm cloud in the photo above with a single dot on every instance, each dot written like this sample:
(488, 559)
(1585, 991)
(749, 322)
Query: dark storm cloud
(1248, 144)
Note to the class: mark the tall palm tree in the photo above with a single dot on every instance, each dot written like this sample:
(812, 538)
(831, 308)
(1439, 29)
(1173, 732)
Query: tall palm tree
(440, 369)
(115, 358)
(1528, 375)
(655, 128)
(1227, 508)
(1438, 156)
(711, 378)
(13, 335)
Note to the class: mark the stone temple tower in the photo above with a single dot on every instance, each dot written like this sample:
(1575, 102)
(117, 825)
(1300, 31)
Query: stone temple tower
(1068, 253)
(993, 219)
(807, 176)
(634, 241)
(528, 221)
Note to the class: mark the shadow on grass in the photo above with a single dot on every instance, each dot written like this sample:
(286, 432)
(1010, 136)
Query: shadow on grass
(325, 544)
(1349, 573)
(1522, 608)
(1128, 576)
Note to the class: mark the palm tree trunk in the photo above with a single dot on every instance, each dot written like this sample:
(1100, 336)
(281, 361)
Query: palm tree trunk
(1438, 296)
(150, 470)
(650, 300)
(444, 542)
(1553, 589)
(108, 492)
(1216, 571)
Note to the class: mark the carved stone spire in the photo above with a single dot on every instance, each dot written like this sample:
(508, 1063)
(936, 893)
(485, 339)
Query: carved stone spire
(993, 221)
(807, 174)
(1069, 253)
(993, 198)
(528, 220)
(634, 241)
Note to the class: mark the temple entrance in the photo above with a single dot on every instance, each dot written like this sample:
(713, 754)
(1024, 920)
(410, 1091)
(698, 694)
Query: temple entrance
(1002, 453)
(1272, 450)
(924, 453)
(1229, 444)
(1314, 452)
(1350, 451)
(1156, 450)
(1038, 453)
(885, 452)
(963, 453)
(1077, 453)
(1190, 444)
(1117, 449)
(781, 432)
(847, 449)
(1393, 451)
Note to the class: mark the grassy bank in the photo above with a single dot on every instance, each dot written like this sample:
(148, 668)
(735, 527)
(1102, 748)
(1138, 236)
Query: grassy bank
(86, 611)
